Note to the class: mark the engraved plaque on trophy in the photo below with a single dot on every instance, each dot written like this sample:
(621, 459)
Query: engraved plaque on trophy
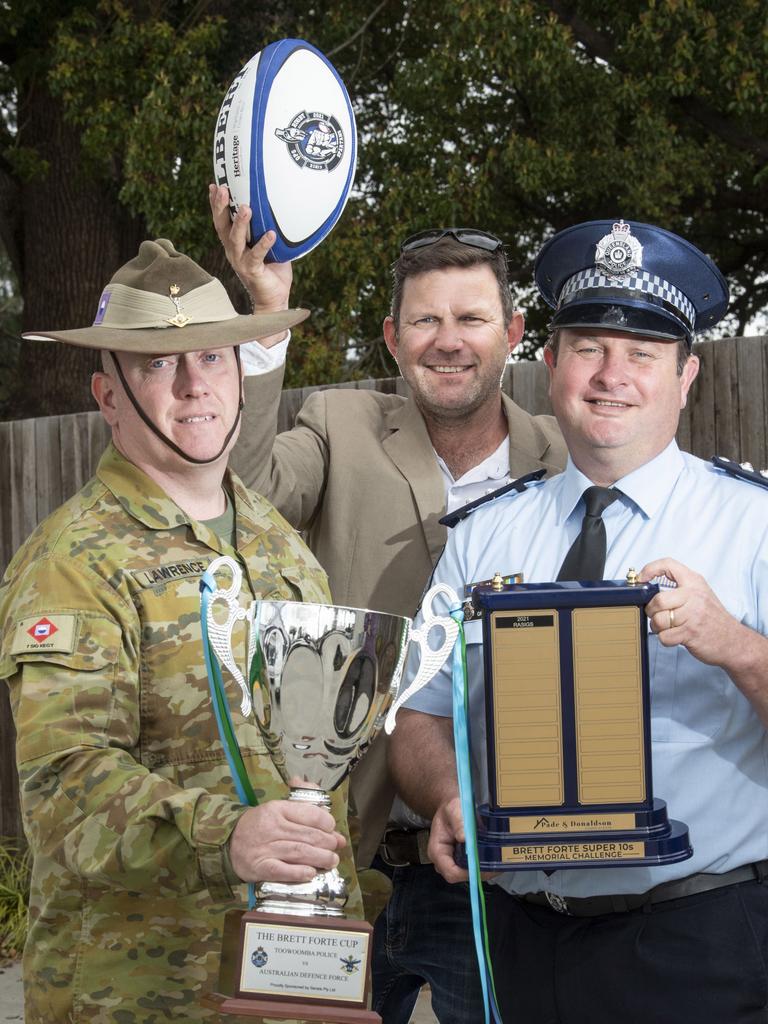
(318, 681)
(568, 729)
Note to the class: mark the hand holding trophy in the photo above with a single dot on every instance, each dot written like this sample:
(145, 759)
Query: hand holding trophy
(319, 681)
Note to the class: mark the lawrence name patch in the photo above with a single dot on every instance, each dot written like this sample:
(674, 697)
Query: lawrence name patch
(40, 634)
(165, 573)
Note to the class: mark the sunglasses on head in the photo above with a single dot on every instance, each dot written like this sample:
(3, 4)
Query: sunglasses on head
(467, 236)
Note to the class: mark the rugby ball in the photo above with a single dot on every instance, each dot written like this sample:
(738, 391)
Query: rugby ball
(285, 144)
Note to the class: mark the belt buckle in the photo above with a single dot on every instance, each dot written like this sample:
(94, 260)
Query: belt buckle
(558, 903)
(384, 853)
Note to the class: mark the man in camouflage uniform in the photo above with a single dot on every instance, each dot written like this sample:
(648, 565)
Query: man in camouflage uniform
(139, 844)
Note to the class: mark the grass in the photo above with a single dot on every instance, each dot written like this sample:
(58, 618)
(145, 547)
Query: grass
(14, 897)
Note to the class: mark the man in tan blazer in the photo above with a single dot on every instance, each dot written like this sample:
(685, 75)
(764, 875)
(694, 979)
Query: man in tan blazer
(368, 476)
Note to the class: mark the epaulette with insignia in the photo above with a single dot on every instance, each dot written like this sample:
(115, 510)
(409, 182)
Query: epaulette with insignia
(743, 470)
(520, 484)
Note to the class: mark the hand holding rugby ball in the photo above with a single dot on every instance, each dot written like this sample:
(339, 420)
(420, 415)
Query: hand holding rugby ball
(285, 144)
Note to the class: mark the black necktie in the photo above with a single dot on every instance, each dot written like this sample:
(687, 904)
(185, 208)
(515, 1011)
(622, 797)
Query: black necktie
(586, 558)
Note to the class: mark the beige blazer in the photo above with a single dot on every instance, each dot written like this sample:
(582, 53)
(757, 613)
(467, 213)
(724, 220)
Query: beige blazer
(358, 474)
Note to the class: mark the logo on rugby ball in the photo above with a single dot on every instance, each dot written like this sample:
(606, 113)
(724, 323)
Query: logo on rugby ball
(314, 140)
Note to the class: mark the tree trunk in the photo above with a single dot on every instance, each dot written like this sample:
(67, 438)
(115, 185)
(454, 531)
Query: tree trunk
(75, 235)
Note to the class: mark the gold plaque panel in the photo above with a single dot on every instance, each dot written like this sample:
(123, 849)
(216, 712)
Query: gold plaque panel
(561, 823)
(527, 708)
(608, 697)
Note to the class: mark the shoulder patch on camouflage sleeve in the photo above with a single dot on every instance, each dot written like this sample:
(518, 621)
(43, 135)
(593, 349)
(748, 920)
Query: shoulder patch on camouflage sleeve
(42, 634)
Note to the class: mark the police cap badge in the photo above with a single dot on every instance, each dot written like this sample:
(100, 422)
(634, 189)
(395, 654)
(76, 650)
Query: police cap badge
(630, 277)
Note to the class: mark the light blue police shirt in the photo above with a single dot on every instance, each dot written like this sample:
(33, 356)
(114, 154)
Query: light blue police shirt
(710, 753)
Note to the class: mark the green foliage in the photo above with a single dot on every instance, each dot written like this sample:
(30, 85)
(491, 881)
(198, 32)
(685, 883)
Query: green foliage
(14, 897)
(142, 92)
(518, 116)
(526, 116)
(26, 164)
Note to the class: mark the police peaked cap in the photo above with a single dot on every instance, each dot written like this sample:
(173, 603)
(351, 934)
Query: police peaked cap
(630, 277)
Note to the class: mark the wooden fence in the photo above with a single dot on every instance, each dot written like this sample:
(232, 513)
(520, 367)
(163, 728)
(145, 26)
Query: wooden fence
(44, 461)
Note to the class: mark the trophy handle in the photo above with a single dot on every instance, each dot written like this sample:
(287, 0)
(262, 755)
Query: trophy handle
(431, 659)
(220, 634)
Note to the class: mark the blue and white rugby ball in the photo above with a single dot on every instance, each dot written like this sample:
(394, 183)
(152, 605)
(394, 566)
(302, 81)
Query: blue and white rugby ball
(286, 144)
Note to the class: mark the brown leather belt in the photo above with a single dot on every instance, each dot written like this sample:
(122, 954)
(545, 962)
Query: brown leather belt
(401, 847)
(596, 906)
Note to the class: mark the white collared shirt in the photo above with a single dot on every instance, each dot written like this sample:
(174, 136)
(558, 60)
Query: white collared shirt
(486, 476)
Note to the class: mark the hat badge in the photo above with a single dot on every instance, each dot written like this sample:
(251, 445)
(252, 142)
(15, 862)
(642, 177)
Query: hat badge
(180, 319)
(619, 252)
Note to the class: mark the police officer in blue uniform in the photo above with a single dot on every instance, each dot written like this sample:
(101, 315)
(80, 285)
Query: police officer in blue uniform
(673, 943)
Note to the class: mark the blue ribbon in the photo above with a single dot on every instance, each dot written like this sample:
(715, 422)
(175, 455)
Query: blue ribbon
(464, 773)
(221, 711)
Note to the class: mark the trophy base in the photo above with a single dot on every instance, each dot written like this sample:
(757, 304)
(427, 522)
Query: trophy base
(578, 839)
(288, 967)
(286, 1011)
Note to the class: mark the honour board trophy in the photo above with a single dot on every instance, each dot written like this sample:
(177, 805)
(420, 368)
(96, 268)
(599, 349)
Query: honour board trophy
(318, 683)
(568, 729)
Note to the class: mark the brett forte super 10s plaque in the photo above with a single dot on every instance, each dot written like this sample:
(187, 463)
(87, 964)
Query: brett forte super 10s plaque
(568, 730)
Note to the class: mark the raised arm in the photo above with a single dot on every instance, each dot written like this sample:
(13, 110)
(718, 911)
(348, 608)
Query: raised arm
(267, 284)
(290, 473)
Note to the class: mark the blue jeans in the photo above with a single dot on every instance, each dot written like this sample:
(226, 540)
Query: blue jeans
(424, 935)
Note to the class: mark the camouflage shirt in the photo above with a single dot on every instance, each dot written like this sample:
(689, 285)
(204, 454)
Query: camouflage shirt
(127, 799)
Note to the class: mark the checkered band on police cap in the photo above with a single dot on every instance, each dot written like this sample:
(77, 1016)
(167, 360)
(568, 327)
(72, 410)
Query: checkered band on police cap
(592, 283)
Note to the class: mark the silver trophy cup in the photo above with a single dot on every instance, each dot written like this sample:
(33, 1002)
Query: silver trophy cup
(319, 682)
